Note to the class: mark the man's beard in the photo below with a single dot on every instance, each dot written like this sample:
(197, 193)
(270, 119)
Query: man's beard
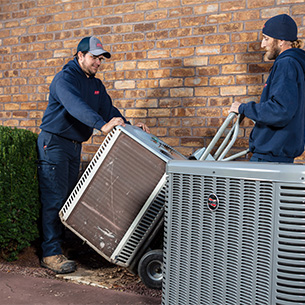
(274, 51)
(89, 72)
(87, 69)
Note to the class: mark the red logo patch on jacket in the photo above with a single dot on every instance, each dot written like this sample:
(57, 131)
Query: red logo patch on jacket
(96, 92)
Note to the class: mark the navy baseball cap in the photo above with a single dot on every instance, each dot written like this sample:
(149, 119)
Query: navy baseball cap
(93, 45)
(281, 27)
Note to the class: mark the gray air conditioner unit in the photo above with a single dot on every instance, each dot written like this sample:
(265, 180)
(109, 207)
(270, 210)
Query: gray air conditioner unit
(119, 200)
(234, 234)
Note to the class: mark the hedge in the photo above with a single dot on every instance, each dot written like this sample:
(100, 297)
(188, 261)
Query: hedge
(19, 195)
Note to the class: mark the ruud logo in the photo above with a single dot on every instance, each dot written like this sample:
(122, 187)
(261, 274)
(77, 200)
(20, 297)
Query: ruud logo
(213, 202)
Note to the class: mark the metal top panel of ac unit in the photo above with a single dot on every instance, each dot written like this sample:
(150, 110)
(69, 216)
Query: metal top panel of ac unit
(151, 142)
(279, 172)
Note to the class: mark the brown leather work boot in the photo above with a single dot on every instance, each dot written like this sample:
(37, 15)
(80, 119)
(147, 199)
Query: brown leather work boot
(59, 264)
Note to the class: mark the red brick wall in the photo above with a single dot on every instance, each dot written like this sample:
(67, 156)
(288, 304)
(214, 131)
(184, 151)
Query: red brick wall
(176, 64)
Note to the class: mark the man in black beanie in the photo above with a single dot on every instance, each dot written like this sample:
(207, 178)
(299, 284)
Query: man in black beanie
(278, 134)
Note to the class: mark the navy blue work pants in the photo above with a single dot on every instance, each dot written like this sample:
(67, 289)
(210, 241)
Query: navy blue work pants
(58, 168)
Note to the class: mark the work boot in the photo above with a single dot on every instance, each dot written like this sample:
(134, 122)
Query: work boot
(59, 264)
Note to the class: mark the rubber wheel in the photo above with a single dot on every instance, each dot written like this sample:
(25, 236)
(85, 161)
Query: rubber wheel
(150, 269)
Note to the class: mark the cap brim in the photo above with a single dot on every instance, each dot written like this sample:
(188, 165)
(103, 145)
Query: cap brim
(101, 52)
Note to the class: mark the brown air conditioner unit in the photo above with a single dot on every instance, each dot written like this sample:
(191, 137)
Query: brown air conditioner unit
(119, 200)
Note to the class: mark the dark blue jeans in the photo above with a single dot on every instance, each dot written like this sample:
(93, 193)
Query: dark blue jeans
(58, 168)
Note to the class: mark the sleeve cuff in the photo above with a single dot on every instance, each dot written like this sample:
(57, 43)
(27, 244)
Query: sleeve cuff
(99, 124)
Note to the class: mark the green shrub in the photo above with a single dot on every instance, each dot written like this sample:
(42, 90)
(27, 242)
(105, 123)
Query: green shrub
(19, 196)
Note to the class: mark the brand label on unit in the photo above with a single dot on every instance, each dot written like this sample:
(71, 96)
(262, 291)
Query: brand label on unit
(213, 202)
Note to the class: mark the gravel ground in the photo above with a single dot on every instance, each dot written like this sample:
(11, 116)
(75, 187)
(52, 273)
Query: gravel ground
(108, 275)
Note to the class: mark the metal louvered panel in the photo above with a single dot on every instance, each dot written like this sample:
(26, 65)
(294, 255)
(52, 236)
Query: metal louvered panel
(290, 281)
(218, 249)
(250, 250)
(120, 197)
(139, 232)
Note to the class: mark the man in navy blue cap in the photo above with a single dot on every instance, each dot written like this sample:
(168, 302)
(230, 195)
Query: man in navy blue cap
(78, 104)
(278, 134)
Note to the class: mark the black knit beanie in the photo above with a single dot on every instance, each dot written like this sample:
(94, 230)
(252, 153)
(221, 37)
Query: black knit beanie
(281, 27)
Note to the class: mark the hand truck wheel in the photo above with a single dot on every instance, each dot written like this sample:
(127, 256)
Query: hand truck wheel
(150, 268)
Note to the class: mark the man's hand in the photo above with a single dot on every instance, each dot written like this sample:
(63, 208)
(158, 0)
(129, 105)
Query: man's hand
(143, 126)
(112, 123)
(234, 107)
